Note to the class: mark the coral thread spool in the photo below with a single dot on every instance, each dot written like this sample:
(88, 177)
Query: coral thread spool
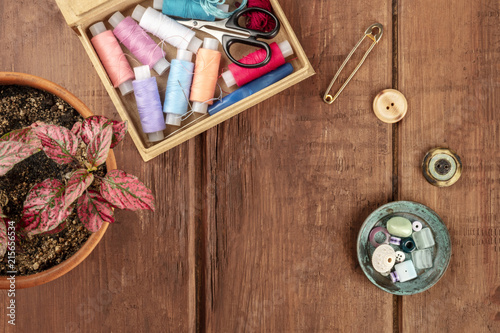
(140, 44)
(186, 9)
(206, 72)
(178, 87)
(240, 76)
(166, 29)
(112, 58)
(148, 103)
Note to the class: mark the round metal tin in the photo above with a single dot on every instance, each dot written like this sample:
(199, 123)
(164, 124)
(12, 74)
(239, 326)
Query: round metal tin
(441, 250)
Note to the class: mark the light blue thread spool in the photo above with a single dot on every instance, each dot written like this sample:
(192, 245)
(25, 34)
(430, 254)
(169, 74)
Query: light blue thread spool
(178, 87)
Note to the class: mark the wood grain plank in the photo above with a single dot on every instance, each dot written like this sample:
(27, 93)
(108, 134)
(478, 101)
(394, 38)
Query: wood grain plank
(142, 274)
(287, 185)
(449, 56)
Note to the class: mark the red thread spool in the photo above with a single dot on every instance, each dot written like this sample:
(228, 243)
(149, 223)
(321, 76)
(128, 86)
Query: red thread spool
(257, 20)
(112, 58)
(240, 75)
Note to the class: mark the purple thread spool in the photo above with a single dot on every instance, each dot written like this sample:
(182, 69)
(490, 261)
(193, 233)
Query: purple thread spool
(394, 276)
(140, 44)
(395, 240)
(148, 103)
(374, 232)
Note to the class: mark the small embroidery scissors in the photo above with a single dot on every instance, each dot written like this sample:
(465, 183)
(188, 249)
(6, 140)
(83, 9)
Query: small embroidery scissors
(229, 32)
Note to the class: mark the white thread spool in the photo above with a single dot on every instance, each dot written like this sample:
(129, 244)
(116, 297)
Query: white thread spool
(166, 29)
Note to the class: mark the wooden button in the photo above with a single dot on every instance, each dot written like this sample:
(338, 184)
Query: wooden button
(390, 106)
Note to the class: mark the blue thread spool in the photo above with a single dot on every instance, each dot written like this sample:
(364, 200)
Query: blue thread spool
(208, 6)
(178, 87)
(188, 9)
(148, 103)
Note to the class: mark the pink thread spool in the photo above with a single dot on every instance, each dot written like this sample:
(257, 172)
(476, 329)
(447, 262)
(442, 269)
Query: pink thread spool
(112, 58)
(240, 75)
(140, 44)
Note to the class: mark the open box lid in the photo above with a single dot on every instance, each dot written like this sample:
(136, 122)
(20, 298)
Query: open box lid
(78, 12)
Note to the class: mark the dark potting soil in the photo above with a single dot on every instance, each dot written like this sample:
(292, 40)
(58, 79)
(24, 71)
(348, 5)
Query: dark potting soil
(20, 107)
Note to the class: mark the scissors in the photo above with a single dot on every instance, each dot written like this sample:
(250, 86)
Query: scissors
(229, 32)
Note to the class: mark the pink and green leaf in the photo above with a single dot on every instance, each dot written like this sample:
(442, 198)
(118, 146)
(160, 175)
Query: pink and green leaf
(93, 210)
(24, 135)
(79, 181)
(59, 143)
(91, 127)
(3, 236)
(38, 124)
(13, 152)
(44, 207)
(126, 191)
(98, 149)
(120, 129)
(58, 229)
(77, 128)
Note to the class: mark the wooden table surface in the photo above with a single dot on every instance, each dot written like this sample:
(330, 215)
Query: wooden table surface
(257, 218)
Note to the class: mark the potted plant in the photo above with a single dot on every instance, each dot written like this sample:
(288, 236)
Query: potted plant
(87, 189)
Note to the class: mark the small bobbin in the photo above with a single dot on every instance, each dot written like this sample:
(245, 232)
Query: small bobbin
(416, 225)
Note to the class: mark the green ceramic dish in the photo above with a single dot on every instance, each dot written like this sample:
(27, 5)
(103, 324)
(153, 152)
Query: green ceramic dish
(441, 251)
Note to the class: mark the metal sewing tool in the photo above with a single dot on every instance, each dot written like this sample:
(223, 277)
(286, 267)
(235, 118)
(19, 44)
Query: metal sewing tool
(230, 32)
(374, 32)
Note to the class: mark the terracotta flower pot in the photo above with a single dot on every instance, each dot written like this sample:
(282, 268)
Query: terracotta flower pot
(21, 79)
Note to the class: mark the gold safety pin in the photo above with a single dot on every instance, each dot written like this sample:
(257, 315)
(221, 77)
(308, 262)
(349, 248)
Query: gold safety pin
(371, 33)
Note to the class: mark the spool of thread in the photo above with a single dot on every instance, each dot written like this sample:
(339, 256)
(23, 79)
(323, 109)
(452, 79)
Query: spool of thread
(140, 44)
(251, 88)
(188, 9)
(257, 20)
(178, 87)
(166, 29)
(112, 58)
(240, 75)
(206, 72)
(209, 6)
(148, 103)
